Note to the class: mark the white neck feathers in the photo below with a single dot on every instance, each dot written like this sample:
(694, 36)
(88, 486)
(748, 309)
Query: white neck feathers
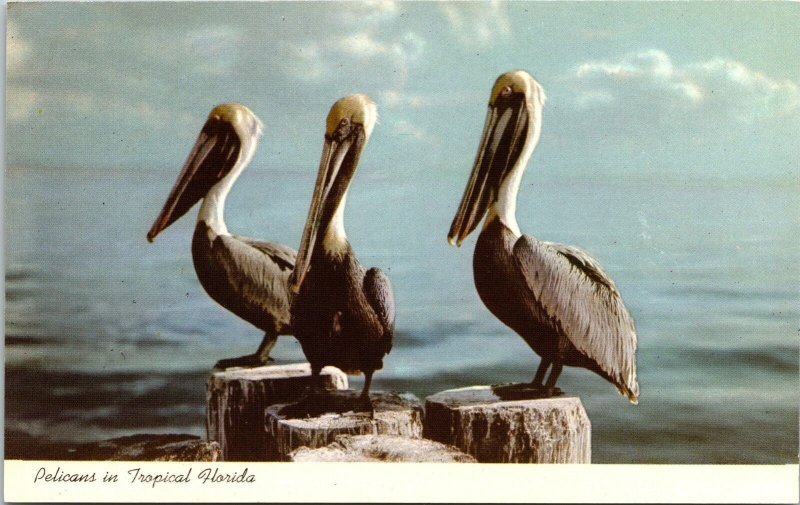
(505, 205)
(213, 208)
(335, 238)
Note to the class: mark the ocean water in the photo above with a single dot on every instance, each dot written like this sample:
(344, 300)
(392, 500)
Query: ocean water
(107, 335)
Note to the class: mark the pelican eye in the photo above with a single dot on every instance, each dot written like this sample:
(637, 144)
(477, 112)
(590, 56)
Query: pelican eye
(343, 129)
(506, 91)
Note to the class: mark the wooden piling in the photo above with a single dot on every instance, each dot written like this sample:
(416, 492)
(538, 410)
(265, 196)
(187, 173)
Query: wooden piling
(381, 448)
(394, 414)
(236, 402)
(494, 430)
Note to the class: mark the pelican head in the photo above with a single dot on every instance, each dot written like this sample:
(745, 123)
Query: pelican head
(347, 130)
(511, 131)
(225, 146)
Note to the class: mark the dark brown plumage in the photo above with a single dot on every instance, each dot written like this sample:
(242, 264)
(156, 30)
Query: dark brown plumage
(249, 278)
(246, 276)
(559, 300)
(557, 297)
(343, 315)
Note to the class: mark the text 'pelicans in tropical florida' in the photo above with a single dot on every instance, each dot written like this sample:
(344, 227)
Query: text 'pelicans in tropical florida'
(557, 297)
(246, 276)
(343, 315)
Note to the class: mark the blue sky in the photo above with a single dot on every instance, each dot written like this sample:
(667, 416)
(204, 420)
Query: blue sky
(668, 90)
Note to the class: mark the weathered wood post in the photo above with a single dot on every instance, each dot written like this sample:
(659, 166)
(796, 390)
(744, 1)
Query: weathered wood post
(394, 414)
(383, 448)
(493, 430)
(236, 402)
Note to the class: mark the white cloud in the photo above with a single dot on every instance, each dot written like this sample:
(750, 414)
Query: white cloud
(20, 104)
(477, 23)
(217, 46)
(417, 101)
(213, 39)
(362, 45)
(406, 129)
(392, 98)
(409, 47)
(647, 70)
(592, 97)
(310, 61)
(598, 34)
(17, 49)
(368, 11)
(24, 104)
(651, 81)
(751, 94)
(303, 62)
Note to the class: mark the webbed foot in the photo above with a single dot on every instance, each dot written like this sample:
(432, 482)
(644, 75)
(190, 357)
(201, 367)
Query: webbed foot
(550, 392)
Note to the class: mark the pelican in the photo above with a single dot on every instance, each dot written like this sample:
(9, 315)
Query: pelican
(556, 297)
(342, 314)
(246, 276)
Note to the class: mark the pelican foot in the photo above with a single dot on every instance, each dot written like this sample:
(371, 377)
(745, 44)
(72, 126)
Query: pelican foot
(248, 361)
(552, 391)
(363, 404)
(312, 404)
(525, 391)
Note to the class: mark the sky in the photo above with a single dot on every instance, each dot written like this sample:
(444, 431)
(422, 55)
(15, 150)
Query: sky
(677, 91)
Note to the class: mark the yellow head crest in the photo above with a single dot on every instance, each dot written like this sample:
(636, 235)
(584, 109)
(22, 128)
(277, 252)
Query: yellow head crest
(517, 81)
(242, 118)
(357, 109)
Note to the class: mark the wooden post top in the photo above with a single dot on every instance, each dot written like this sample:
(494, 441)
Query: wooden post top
(286, 371)
(502, 425)
(489, 395)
